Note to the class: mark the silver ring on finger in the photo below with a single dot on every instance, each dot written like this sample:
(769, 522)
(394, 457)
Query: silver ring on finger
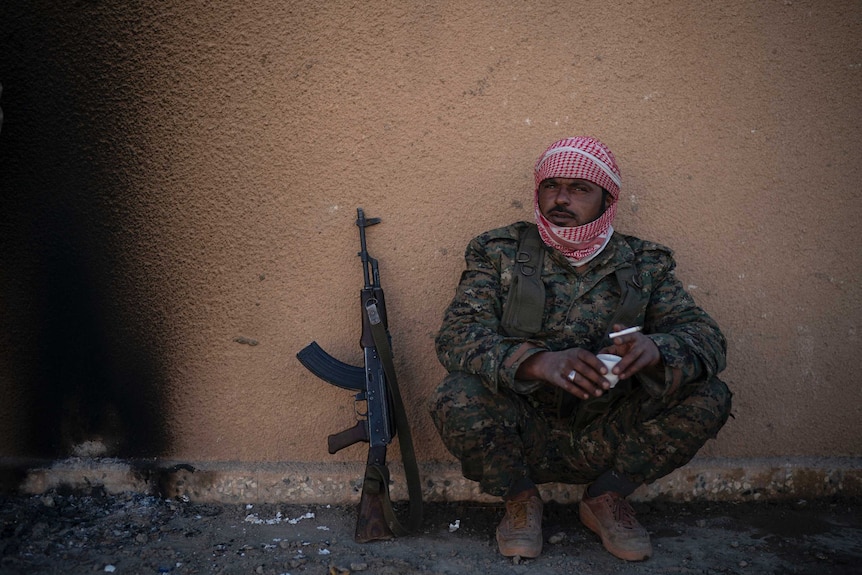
(572, 375)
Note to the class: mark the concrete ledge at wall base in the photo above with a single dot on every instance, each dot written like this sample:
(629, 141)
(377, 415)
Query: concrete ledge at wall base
(340, 483)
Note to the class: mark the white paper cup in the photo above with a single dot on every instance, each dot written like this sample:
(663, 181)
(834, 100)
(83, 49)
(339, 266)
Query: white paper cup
(610, 361)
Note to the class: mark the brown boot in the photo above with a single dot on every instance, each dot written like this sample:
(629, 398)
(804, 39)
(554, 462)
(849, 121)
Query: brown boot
(613, 519)
(520, 532)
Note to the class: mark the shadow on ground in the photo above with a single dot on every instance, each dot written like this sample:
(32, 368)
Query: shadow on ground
(132, 533)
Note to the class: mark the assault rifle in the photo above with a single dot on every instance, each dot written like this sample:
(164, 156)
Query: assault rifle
(384, 414)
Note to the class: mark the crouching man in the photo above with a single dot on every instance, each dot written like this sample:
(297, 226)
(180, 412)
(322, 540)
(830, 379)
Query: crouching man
(527, 399)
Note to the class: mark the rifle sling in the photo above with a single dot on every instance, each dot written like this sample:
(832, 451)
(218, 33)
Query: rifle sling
(405, 439)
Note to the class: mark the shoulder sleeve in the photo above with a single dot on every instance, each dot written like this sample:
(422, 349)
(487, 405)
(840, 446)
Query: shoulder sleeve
(688, 339)
(469, 339)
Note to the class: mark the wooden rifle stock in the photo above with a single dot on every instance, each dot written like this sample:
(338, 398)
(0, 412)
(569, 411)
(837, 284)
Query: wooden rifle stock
(374, 515)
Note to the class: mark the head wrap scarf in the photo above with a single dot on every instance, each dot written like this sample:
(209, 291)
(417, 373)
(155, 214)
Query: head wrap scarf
(587, 159)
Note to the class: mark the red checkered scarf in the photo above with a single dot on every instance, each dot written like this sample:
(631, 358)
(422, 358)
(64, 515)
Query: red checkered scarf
(587, 159)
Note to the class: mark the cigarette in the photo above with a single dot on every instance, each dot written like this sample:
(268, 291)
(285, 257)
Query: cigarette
(626, 331)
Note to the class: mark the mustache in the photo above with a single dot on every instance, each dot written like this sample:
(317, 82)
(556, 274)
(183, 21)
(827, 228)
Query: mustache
(562, 210)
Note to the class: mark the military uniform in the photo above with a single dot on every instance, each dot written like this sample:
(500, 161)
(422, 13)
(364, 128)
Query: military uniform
(502, 428)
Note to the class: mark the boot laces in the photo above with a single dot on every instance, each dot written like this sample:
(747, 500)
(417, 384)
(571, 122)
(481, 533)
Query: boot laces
(518, 513)
(623, 513)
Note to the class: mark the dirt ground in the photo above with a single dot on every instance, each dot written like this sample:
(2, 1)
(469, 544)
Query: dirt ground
(140, 534)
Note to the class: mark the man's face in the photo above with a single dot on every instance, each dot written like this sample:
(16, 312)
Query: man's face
(570, 202)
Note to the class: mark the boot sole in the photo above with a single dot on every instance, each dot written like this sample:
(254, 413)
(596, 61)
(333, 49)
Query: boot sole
(530, 551)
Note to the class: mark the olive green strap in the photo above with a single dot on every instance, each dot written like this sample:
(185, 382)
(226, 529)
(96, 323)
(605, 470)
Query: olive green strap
(633, 300)
(525, 305)
(402, 426)
(632, 306)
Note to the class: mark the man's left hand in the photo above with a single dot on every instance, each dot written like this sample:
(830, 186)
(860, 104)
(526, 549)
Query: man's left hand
(638, 352)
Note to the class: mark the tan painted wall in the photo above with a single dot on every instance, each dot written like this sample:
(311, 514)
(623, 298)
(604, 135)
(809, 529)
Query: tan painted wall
(186, 175)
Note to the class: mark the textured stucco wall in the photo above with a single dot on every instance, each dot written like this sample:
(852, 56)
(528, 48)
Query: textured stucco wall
(180, 179)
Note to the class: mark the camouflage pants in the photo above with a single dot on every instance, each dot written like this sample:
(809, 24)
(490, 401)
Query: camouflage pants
(500, 437)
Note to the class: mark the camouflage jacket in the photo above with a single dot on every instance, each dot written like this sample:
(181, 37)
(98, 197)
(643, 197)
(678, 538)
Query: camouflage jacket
(578, 308)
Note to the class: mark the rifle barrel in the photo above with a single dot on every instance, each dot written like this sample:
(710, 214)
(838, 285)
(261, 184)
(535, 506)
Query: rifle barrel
(363, 250)
(369, 264)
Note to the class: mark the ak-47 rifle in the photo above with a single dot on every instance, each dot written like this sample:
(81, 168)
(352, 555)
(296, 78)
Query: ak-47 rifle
(384, 415)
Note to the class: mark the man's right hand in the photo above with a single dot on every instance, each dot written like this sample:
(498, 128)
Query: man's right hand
(555, 367)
